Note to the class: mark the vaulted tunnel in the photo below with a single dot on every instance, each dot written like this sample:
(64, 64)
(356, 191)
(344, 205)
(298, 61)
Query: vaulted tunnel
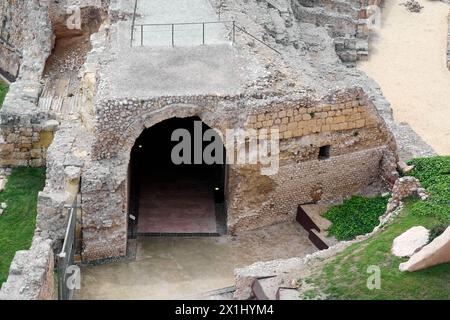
(169, 198)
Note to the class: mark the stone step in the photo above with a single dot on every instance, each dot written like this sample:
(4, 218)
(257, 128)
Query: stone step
(55, 97)
(327, 242)
(288, 294)
(315, 211)
(274, 288)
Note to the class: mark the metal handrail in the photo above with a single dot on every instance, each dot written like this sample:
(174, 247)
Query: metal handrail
(235, 27)
(249, 34)
(66, 257)
(181, 23)
(133, 21)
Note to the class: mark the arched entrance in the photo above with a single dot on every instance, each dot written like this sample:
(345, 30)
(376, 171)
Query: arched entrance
(172, 198)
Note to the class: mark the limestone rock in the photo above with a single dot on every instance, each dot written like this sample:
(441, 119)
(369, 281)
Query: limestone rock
(50, 125)
(410, 241)
(437, 252)
(404, 168)
(2, 184)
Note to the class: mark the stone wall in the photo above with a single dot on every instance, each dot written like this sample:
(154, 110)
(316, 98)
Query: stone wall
(11, 37)
(403, 188)
(31, 274)
(344, 21)
(26, 132)
(10, 60)
(26, 135)
(359, 144)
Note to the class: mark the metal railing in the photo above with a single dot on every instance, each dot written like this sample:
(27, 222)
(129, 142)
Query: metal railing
(133, 21)
(66, 258)
(234, 28)
(143, 27)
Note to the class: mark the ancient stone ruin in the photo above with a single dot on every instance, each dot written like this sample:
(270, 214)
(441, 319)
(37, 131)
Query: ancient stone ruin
(81, 97)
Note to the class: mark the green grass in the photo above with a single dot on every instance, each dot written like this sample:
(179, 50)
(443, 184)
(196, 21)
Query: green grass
(434, 175)
(18, 222)
(345, 277)
(356, 216)
(3, 91)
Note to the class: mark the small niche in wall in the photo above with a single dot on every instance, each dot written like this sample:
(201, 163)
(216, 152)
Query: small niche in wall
(324, 152)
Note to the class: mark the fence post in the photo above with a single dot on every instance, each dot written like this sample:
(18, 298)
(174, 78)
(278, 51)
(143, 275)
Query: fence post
(173, 34)
(234, 31)
(203, 33)
(142, 35)
(133, 21)
(62, 276)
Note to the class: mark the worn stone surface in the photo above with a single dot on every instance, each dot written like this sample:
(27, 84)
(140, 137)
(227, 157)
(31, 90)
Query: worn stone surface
(411, 241)
(31, 274)
(285, 273)
(403, 188)
(437, 252)
(304, 90)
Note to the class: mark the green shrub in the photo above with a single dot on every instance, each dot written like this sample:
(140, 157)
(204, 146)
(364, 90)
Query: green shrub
(3, 91)
(356, 216)
(434, 174)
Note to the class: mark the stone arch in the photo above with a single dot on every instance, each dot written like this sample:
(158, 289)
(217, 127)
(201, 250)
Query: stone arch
(151, 118)
(136, 136)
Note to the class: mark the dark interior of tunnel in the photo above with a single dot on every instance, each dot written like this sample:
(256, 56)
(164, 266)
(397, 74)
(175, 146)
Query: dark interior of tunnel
(168, 198)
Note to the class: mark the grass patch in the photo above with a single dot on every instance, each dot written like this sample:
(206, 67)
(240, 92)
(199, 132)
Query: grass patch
(3, 92)
(434, 175)
(345, 277)
(18, 222)
(356, 216)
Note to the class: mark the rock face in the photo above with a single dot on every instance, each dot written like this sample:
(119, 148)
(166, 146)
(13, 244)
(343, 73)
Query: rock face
(403, 188)
(437, 252)
(31, 274)
(410, 242)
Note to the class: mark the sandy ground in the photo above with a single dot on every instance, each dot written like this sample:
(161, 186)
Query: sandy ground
(186, 268)
(408, 59)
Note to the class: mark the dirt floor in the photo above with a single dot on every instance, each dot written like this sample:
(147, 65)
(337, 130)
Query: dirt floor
(186, 268)
(408, 59)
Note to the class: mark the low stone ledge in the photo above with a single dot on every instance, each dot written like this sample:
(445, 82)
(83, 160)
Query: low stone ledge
(31, 274)
(292, 269)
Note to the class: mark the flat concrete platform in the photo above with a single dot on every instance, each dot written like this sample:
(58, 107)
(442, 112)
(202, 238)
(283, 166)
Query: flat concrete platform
(186, 268)
(203, 70)
(177, 11)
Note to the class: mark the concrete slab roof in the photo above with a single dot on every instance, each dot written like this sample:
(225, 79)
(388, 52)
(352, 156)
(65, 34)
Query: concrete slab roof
(142, 72)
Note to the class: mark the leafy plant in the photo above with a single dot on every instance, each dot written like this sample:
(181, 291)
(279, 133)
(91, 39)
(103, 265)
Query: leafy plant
(434, 175)
(356, 216)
